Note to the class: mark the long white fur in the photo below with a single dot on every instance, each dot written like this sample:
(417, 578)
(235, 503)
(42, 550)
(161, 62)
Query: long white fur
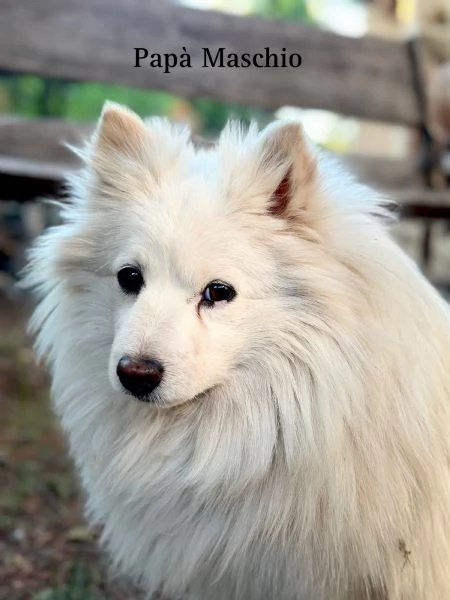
(299, 446)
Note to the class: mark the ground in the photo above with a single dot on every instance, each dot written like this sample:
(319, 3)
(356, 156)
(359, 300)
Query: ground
(46, 550)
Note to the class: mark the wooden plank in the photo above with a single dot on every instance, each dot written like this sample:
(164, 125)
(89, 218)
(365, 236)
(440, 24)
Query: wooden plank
(42, 140)
(95, 40)
(31, 152)
(25, 180)
(387, 173)
(34, 169)
(422, 197)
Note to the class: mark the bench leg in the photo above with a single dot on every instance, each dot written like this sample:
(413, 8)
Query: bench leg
(426, 245)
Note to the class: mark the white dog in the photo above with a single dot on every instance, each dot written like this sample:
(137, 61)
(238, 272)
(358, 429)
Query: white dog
(254, 378)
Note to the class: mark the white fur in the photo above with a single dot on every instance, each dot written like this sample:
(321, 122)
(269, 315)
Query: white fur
(299, 446)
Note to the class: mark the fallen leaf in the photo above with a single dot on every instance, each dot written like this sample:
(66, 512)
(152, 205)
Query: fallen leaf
(22, 563)
(80, 534)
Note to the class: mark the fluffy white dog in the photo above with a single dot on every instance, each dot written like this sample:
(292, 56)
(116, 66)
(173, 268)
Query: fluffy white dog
(253, 377)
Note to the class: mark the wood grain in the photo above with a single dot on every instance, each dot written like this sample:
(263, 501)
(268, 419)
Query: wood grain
(32, 154)
(95, 40)
(42, 140)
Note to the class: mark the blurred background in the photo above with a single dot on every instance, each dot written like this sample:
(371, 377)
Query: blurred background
(365, 91)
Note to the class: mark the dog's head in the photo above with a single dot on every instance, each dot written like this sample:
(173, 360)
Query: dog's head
(188, 265)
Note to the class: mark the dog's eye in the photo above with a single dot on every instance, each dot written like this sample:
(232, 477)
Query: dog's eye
(130, 280)
(216, 291)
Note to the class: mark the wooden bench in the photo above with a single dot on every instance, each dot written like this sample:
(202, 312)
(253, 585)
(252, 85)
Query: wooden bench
(33, 155)
(367, 78)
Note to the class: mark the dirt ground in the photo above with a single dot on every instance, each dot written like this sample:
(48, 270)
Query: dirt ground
(46, 550)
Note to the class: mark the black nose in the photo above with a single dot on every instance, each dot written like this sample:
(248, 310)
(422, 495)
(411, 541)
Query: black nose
(140, 376)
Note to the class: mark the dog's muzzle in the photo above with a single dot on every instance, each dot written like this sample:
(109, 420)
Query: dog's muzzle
(140, 376)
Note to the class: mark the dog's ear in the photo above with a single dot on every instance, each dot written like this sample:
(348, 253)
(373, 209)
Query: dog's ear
(119, 130)
(119, 149)
(272, 172)
(288, 163)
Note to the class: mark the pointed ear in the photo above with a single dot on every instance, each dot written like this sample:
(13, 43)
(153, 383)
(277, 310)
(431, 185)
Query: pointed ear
(120, 130)
(119, 148)
(289, 166)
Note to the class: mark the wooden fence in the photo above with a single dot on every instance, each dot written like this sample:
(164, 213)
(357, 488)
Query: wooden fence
(96, 40)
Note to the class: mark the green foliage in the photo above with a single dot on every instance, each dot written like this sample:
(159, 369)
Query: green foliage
(36, 96)
(25, 94)
(294, 10)
(78, 586)
(214, 115)
(85, 100)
